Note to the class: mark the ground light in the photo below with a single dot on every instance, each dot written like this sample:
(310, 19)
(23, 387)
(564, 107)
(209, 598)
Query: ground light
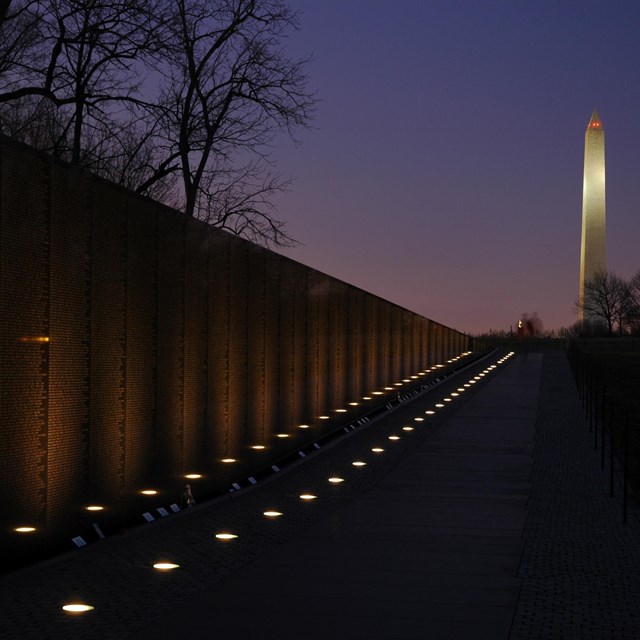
(193, 476)
(165, 566)
(228, 460)
(94, 507)
(377, 449)
(149, 492)
(226, 536)
(394, 437)
(24, 529)
(272, 514)
(307, 496)
(359, 463)
(336, 480)
(77, 607)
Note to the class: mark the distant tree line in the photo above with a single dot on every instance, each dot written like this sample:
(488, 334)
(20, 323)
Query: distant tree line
(611, 302)
(175, 99)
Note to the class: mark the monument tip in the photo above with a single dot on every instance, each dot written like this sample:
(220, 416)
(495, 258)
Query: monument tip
(595, 122)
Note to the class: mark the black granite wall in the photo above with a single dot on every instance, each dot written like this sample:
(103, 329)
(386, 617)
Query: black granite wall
(137, 346)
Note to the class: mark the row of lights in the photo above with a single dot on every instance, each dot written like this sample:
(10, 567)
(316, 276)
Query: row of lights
(413, 378)
(97, 507)
(259, 447)
(225, 536)
(308, 497)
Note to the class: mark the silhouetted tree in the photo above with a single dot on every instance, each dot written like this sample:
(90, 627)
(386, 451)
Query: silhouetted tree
(79, 57)
(177, 99)
(632, 307)
(228, 90)
(605, 299)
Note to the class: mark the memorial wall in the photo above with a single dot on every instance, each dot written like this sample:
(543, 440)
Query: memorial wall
(138, 346)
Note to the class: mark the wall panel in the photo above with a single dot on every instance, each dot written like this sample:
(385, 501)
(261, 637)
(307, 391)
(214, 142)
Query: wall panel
(24, 329)
(370, 347)
(220, 444)
(108, 346)
(240, 435)
(68, 437)
(297, 287)
(355, 346)
(290, 330)
(254, 396)
(274, 342)
(141, 442)
(315, 374)
(195, 348)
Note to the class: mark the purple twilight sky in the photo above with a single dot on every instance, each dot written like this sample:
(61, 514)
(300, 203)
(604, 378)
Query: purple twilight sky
(445, 169)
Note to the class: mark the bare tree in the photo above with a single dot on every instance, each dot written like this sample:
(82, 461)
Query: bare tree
(177, 99)
(82, 57)
(632, 306)
(21, 46)
(228, 90)
(605, 300)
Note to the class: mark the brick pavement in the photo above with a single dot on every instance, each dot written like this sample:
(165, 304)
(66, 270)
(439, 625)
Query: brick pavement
(580, 566)
(541, 538)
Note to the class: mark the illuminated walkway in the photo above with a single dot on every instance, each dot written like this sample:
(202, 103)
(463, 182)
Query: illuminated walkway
(488, 518)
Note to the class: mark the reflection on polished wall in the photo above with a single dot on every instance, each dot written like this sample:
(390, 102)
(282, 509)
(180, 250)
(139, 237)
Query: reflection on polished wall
(138, 346)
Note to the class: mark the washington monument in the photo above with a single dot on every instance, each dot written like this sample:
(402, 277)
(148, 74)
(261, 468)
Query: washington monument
(593, 257)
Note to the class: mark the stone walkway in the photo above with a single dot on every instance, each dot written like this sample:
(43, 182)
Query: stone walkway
(580, 568)
(488, 519)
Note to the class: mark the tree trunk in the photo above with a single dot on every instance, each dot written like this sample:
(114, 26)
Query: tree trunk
(77, 134)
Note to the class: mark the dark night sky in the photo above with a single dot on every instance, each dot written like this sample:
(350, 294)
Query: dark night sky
(445, 169)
